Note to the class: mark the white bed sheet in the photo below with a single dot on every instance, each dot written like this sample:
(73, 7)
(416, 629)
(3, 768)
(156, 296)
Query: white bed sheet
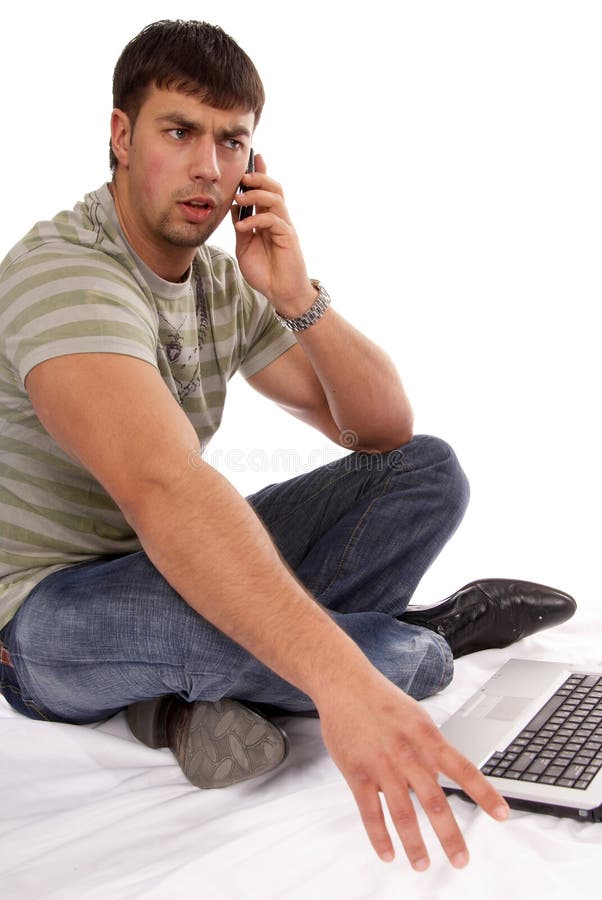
(88, 812)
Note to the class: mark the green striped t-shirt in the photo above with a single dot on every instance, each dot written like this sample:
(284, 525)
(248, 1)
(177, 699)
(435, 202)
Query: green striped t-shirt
(74, 285)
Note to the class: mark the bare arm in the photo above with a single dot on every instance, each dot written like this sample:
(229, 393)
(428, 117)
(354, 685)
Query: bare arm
(341, 383)
(354, 378)
(139, 445)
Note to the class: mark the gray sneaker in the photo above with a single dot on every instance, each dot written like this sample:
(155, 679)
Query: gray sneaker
(216, 744)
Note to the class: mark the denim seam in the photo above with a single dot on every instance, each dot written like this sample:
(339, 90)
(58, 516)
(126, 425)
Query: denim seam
(168, 664)
(309, 499)
(447, 666)
(15, 690)
(338, 477)
(353, 537)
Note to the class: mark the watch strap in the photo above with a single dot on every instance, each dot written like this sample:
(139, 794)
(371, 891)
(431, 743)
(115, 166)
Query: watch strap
(315, 311)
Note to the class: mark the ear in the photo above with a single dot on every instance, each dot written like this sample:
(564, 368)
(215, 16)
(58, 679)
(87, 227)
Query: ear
(121, 133)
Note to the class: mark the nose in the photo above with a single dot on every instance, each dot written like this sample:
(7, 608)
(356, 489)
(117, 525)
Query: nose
(204, 163)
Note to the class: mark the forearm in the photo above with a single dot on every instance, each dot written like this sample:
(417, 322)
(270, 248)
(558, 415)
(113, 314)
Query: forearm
(361, 386)
(212, 549)
(363, 390)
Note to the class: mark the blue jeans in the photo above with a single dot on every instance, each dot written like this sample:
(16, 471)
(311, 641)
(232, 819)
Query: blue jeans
(360, 532)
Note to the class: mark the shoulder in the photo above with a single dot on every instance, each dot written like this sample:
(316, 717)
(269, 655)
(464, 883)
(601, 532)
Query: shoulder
(222, 279)
(73, 230)
(70, 253)
(82, 237)
(220, 266)
(56, 274)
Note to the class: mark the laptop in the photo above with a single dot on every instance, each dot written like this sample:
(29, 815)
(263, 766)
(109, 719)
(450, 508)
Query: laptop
(535, 730)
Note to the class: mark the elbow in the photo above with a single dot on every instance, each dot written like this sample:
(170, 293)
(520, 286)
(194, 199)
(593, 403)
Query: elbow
(396, 434)
(407, 431)
(404, 437)
(399, 439)
(400, 432)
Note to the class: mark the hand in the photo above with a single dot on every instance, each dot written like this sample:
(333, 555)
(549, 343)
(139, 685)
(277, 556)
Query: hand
(383, 741)
(267, 246)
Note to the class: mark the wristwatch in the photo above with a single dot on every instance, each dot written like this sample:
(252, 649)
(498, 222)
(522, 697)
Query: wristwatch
(315, 311)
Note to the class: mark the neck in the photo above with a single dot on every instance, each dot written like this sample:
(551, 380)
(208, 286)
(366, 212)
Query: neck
(172, 265)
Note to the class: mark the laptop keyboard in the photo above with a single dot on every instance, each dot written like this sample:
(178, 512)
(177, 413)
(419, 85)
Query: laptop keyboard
(562, 744)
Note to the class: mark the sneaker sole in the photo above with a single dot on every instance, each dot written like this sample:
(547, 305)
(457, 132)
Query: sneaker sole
(225, 743)
(228, 743)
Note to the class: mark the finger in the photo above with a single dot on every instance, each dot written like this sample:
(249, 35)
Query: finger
(445, 758)
(368, 802)
(268, 221)
(403, 815)
(261, 181)
(435, 804)
(453, 764)
(244, 237)
(260, 165)
(263, 200)
(234, 213)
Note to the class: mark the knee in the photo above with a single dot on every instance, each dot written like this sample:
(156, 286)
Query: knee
(453, 478)
(418, 660)
(436, 671)
(436, 459)
(428, 451)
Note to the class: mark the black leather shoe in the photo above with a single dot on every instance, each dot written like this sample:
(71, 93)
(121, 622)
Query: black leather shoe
(493, 613)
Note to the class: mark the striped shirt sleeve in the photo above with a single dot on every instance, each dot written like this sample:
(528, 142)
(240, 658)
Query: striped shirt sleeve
(262, 338)
(58, 301)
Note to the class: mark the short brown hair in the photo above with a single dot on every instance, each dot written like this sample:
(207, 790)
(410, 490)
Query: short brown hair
(192, 57)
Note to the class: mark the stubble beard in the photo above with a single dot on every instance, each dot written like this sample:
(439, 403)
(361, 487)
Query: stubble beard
(185, 235)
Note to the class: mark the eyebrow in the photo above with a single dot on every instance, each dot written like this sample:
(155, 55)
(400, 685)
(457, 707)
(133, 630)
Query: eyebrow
(181, 121)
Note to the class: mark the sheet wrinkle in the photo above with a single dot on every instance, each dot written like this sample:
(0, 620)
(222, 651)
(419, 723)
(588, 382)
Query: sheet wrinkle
(88, 812)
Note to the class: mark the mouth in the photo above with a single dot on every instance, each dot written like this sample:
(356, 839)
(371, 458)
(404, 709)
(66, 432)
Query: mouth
(197, 209)
(200, 202)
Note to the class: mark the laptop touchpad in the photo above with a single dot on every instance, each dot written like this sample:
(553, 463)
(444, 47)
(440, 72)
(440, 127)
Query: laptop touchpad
(507, 708)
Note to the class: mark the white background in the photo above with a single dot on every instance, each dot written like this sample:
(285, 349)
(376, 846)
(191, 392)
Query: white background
(442, 162)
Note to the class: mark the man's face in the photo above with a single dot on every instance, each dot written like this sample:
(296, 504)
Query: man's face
(180, 167)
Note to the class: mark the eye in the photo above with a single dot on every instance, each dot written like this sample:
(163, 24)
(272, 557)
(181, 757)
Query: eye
(233, 144)
(179, 134)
